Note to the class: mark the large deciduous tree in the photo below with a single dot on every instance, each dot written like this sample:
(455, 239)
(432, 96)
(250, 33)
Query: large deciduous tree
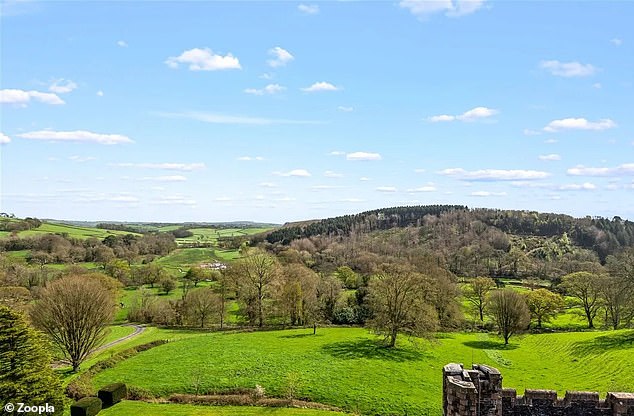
(476, 293)
(25, 372)
(400, 299)
(204, 305)
(75, 312)
(508, 310)
(254, 275)
(585, 287)
(544, 305)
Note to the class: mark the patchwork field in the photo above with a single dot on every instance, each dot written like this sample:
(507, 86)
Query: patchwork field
(211, 235)
(345, 367)
(71, 230)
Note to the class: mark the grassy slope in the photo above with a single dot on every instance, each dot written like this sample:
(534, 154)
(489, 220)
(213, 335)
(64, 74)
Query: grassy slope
(128, 408)
(71, 230)
(345, 368)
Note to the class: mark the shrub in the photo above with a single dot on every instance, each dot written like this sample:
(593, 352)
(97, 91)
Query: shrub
(80, 387)
(112, 394)
(88, 406)
(138, 393)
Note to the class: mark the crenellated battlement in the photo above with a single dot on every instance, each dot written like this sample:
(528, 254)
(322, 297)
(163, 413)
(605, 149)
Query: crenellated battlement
(479, 392)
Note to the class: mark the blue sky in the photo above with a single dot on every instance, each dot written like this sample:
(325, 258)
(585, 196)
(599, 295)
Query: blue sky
(281, 111)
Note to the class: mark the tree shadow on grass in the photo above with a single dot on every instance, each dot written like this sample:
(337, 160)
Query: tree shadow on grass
(599, 345)
(369, 349)
(301, 335)
(489, 345)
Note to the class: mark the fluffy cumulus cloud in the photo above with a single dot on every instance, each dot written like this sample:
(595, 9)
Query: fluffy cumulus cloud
(386, 189)
(477, 113)
(280, 57)
(250, 158)
(269, 89)
(625, 169)
(568, 69)
(487, 193)
(308, 8)
(579, 124)
(300, 173)
(22, 97)
(203, 60)
(451, 8)
(4, 139)
(321, 86)
(185, 167)
(587, 186)
(79, 136)
(550, 157)
(62, 86)
(363, 156)
(494, 174)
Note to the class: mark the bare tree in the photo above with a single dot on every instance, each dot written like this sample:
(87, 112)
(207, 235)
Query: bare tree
(509, 311)
(254, 275)
(204, 305)
(400, 300)
(74, 311)
(476, 293)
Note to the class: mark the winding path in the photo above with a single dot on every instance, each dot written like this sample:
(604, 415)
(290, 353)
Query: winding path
(138, 329)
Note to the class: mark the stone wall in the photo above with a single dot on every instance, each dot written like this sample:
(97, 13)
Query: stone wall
(479, 392)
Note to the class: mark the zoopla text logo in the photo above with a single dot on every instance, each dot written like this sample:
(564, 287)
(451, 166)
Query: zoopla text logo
(25, 408)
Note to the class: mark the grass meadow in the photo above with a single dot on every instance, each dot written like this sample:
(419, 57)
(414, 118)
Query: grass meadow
(345, 367)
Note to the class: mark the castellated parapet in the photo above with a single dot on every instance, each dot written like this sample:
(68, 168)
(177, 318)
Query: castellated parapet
(479, 392)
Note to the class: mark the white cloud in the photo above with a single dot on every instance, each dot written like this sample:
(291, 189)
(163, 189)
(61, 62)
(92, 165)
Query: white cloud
(216, 118)
(123, 198)
(324, 187)
(204, 60)
(351, 200)
(426, 188)
(568, 69)
(386, 189)
(364, 179)
(269, 89)
(550, 141)
(4, 139)
(301, 173)
(250, 158)
(281, 57)
(308, 8)
(174, 200)
(587, 186)
(550, 157)
(62, 86)
(81, 159)
(340, 153)
(285, 199)
(76, 136)
(331, 174)
(474, 114)
(529, 132)
(494, 174)
(122, 43)
(345, 109)
(363, 156)
(597, 85)
(487, 193)
(22, 98)
(420, 170)
(616, 41)
(268, 185)
(451, 8)
(579, 124)
(165, 178)
(321, 86)
(267, 76)
(624, 169)
(223, 199)
(99, 93)
(185, 167)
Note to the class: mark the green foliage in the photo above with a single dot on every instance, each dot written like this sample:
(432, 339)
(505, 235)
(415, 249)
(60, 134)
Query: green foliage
(25, 372)
(544, 305)
(134, 408)
(88, 406)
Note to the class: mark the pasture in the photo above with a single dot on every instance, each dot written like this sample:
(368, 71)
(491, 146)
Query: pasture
(71, 230)
(345, 367)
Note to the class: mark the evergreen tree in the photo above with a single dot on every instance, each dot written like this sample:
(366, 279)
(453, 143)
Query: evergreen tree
(25, 372)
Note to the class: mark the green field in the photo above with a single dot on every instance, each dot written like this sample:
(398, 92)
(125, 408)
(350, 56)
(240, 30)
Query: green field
(71, 230)
(211, 235)
(183, 258)
(345, 367)
(129, 408)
